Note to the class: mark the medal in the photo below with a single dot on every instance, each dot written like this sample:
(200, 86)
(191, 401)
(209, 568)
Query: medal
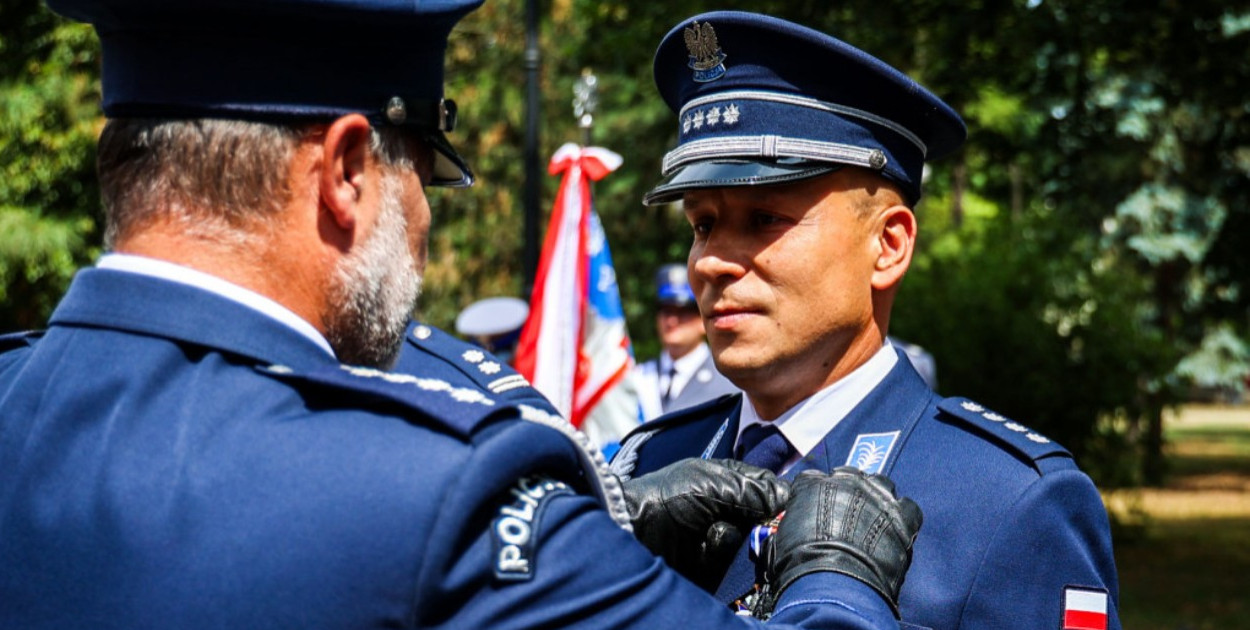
(759, 602)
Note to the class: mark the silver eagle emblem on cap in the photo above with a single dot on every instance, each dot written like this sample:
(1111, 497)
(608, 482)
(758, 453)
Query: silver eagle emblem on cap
(706, 57)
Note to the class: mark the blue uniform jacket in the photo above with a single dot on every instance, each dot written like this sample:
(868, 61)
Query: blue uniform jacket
(1012, 528)
(171, 459)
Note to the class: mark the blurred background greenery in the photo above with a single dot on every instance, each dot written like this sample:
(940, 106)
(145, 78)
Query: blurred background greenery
(1083, 260)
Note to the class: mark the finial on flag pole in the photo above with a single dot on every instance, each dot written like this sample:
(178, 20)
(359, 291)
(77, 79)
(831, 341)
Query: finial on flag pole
(585, 101)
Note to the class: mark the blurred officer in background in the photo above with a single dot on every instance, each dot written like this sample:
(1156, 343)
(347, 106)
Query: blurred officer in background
(207, 437)
(684, 374)
(798, 166)
(494, 324)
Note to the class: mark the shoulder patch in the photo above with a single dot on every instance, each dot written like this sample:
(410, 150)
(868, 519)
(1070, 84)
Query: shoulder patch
(456, 408)
(513, 529)
(1003, 430)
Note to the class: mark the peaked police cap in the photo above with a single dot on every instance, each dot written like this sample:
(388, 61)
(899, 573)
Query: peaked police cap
(281, 61)
(764, 101)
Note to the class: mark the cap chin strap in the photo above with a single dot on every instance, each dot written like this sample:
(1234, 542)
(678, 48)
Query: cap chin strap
(771, 147)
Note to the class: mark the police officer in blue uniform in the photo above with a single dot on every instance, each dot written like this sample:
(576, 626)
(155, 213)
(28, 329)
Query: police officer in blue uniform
(207, 436)
(798, 164)
(684, 374)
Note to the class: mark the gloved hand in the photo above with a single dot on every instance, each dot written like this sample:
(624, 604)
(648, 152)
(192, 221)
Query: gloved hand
(846, 522)
(695, 513)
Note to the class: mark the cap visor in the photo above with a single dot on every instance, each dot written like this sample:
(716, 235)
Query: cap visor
(730, 173)
(450, 170)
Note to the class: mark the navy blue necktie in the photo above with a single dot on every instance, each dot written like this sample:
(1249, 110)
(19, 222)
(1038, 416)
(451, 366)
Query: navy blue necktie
(668, 391)
(760, 445)
(763, 445)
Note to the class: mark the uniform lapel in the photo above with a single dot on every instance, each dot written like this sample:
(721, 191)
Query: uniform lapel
(722, 445)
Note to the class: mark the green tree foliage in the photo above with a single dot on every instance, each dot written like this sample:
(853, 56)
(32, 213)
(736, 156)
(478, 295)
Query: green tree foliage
(49, 112)
(1082, 261)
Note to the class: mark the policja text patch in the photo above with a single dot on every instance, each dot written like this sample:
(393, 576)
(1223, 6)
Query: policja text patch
(514, 529)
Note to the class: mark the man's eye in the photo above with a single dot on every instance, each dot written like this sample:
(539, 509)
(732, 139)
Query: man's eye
(701, 227)
(764, 219)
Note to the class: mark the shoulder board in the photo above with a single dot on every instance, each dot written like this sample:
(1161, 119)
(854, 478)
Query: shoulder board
(1002, 430)
(487, 371)
(459, 410)
(13, 341)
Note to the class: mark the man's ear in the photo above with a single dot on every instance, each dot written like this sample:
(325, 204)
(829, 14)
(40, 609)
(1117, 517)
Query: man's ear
(896, 241)
(345, 148)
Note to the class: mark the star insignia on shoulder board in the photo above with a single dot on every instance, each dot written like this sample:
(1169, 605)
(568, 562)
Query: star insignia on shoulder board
(1037, 438)
(698, 119)
(971, 406)
(1018, 428)
(993, 417)
(731, 115)
(713, 116)
(473, 356)
(490, 367)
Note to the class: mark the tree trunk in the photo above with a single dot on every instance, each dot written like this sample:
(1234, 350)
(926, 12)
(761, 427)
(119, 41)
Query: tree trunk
(1154, 467)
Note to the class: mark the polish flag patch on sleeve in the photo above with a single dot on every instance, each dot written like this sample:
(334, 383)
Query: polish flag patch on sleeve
(1084, 609)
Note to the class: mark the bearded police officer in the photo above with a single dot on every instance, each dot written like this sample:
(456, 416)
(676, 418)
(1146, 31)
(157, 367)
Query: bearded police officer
(798, 165)
(207, 435)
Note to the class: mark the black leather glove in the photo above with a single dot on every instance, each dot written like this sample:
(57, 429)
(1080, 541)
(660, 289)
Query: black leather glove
(846, 522)
(695, 513)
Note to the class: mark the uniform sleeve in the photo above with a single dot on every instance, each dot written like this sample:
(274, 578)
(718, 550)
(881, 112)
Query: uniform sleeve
(518, 546)
(1052, 555)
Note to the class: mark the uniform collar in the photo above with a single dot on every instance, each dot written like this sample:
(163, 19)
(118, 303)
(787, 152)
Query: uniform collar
(806, 424)
(144, 304)
(164, 270)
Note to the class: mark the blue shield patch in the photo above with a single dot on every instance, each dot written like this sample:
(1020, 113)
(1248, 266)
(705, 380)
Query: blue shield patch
(871, 451)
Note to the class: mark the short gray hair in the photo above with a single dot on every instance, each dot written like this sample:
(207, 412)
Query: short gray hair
(217, 177)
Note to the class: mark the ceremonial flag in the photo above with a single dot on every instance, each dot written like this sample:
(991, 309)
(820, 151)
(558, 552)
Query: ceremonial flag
(574, 347)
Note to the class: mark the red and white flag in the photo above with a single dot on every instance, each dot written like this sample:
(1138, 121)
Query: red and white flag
(574, 347)
(1084, 609)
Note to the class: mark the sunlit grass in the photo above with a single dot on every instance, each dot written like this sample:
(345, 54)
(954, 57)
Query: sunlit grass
(1184, 561)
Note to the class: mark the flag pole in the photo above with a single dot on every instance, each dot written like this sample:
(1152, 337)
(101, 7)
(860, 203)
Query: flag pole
(533, 165)
(585, 101)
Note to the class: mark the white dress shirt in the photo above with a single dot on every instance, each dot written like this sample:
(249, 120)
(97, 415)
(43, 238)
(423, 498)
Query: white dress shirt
(185, 275)
(807, 423)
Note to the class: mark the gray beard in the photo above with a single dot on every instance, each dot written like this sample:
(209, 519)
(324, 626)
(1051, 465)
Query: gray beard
(374, 289)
